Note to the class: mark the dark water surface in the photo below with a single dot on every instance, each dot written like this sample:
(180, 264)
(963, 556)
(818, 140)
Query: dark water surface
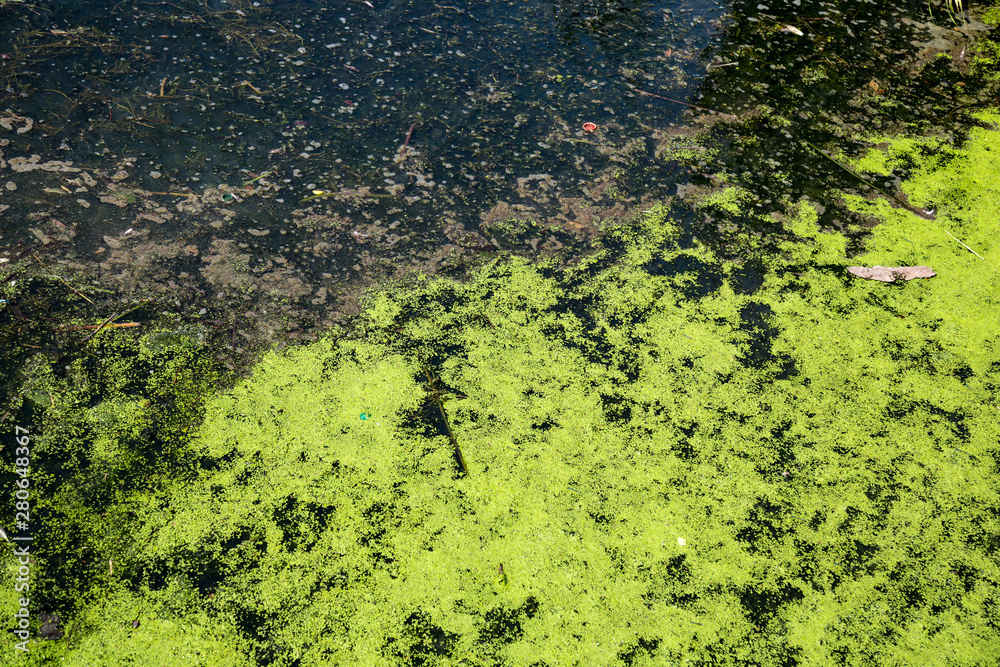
(284, 153)
(324, 94)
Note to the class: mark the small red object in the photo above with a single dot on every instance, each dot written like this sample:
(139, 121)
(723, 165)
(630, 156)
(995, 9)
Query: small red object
(589, 127)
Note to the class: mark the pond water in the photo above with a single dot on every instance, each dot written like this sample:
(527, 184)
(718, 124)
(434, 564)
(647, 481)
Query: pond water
(286, 154)
(210, 93)
(224, 177)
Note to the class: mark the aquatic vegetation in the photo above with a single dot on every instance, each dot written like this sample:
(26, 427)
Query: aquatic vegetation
(695, 438)
(985, 60)
(116, 423)
(272, 165)
(664, 464)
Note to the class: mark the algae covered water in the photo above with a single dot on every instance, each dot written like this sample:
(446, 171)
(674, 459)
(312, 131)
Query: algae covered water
(589, 381)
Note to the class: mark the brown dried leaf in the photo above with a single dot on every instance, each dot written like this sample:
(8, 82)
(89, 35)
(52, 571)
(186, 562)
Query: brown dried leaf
(889, 274)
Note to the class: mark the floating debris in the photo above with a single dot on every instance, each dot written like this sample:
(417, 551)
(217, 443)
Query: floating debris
(889, 274)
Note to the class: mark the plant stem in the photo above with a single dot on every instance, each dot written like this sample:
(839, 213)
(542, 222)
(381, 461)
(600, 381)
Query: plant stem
(435, 397)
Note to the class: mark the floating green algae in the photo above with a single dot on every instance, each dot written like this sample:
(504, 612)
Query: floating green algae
(669, 469)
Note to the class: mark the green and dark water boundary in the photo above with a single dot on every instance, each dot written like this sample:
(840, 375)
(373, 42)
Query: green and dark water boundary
(686, 435)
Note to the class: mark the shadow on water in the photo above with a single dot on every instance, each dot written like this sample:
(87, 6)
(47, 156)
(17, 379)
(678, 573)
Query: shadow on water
(166, 150)
(285, 155)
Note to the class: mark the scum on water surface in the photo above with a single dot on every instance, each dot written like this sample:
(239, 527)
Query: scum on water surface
(168, 148)
(662, 465)
(702, 442)
(422, 132)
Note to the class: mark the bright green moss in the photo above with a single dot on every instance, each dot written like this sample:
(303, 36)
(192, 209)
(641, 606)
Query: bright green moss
(822, 249)
(115, 425)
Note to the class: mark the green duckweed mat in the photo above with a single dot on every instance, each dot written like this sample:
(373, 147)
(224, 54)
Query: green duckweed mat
(675, 463)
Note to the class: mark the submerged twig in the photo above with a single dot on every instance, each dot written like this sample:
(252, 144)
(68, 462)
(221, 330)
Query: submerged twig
(104, 324)
(926, 214)
(63, 281)
(435, 397)
(409, 134)
(670, 99)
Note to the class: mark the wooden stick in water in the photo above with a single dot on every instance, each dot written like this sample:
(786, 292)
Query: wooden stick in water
(409, 134)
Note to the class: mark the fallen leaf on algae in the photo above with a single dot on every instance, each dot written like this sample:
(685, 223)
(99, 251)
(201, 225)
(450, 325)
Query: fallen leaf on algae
(889, 274)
